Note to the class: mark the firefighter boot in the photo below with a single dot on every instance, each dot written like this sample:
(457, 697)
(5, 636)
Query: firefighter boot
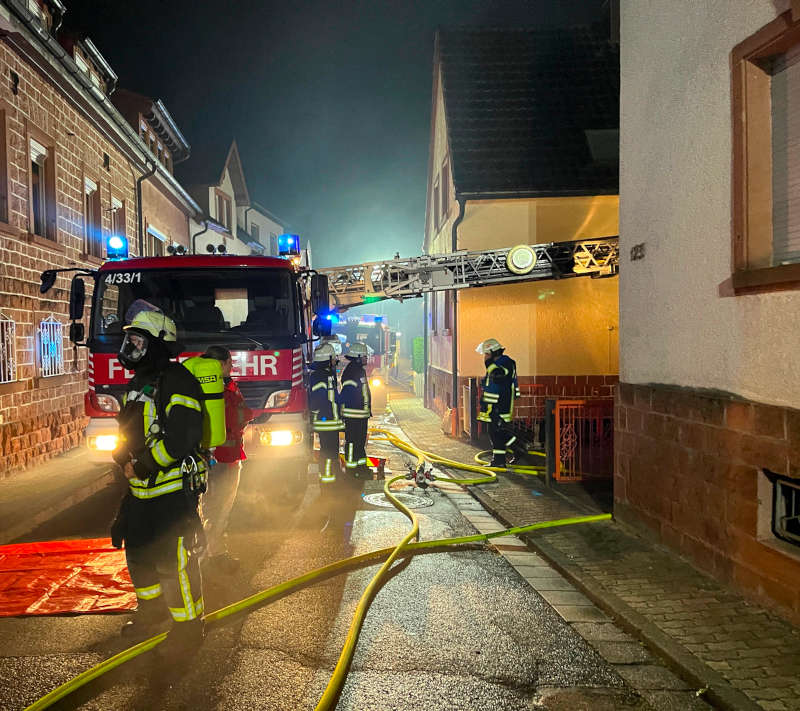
(150, 618)
(182, 642)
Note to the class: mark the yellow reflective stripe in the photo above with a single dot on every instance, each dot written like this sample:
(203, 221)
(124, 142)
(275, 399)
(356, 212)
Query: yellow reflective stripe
(183, 578)
(505, 418)
(148, 593)
(160, 454)
(492, 366)
(319, 386)
(145, 492)
(349, 382)
(149, 415)
(184, 401)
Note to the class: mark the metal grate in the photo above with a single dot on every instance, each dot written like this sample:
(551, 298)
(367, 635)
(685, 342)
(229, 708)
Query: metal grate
(8, 349)
(786, 511)
(51, 347)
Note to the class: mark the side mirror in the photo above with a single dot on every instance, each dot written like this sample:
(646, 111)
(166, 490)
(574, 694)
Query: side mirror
(76, 332)
(77, 299)
(319, 293)
(48, 278)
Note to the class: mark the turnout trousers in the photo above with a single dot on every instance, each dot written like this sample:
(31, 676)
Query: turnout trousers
(217, 502)
(165, 571)
(355, 441)
(502, 438)
(328, 456)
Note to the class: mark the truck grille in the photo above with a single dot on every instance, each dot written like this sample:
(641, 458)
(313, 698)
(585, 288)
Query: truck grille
(256, 392)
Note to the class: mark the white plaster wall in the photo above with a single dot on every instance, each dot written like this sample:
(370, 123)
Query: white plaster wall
(675, 184)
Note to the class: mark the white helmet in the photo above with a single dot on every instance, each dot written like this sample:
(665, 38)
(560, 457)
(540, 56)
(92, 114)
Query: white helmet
(324, 353)
(490, 345)
(357, 350)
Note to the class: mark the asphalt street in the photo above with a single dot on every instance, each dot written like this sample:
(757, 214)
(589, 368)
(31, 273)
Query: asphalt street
(454, 630)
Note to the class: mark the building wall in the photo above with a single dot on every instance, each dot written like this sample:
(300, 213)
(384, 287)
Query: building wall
(266, 228)
(162, 213)
(42, 417)
(710, 382)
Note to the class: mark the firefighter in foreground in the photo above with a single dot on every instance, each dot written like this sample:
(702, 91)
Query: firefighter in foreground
(161, 426)
(356, 409)
(500, 389)
(324, 404)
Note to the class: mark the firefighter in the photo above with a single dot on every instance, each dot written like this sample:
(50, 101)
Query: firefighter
(500, 389)
(160, 428)
(324, 403)
(356, 409)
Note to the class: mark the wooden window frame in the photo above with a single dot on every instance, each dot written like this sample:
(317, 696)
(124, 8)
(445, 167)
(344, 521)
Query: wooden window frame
(228, 209)
(751, 239)
(97, 217)
(5, 180)
(122, 210)
(50, 238)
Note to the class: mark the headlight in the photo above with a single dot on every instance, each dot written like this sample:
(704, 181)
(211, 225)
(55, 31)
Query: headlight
(102, 443)
(280, 438)
(277, 399)
(107, 403)
(376, 382)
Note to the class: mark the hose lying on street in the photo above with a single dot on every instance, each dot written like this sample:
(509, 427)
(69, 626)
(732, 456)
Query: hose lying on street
(403, 549)
(484, 460)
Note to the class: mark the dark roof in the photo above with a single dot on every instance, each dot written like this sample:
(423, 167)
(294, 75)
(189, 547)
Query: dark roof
(131, 104)
(518, 104)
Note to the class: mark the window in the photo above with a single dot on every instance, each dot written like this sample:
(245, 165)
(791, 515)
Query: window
(448, 306)
(144, 130)
(81, 63)
(118, 226)
(224, 210)
(156, 242)
(766, 159)
(434, 312)
(42, 217)
(254, 232)
(445, 191)
(93, 231)
(8, 349)
(51, 347)
(786, 510)
(35, 8)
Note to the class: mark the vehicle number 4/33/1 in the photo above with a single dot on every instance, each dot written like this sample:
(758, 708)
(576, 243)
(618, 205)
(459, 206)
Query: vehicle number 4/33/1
(124, 278)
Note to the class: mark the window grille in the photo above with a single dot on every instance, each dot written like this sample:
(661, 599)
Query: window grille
(786, 510)
(8, 349)
(51, 347)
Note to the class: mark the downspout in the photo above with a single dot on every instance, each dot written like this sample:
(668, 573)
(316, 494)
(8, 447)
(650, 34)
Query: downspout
(139, 210)
(462, 203)
(196, 235)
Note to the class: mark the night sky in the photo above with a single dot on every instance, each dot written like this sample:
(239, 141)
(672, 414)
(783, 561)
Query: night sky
(329, 101)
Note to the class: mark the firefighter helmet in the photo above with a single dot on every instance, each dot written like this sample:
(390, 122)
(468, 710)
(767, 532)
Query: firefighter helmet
(324, 353)
(490, 345)
(143, 316)
(357, 350)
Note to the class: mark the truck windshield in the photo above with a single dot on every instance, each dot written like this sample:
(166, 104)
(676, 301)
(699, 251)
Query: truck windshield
(244, 308)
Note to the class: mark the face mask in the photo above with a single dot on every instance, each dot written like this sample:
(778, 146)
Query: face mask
(133, 349)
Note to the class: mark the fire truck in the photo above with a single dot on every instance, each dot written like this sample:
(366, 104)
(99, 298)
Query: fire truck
(269, 312)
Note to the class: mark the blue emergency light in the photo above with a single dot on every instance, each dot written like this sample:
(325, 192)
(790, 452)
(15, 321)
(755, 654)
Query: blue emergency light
(116, 247)
(333, 318)
(289, 246)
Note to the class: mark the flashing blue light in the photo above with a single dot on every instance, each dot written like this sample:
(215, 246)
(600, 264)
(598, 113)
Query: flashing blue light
(117, 247)
(289, 245)
(333, 318)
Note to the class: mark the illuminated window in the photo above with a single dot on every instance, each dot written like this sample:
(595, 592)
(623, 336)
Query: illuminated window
(8, 349)
(51, 347)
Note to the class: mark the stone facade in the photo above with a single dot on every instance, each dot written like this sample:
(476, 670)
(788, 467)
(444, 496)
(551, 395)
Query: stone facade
(689, 470)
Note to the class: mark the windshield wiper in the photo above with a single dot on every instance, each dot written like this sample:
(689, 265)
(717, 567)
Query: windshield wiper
(223, 337)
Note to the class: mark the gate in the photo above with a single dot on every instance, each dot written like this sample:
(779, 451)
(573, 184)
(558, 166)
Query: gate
(583, 439)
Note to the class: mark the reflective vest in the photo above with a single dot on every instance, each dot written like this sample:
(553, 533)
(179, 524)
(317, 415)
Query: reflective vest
(163, 431)
(324, 399)
(356, 398)
(500, 389)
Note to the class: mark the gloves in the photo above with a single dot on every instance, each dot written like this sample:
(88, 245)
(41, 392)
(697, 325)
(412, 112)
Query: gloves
(121, 455)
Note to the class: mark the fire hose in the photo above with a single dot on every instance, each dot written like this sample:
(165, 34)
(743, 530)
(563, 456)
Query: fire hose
(403, 549)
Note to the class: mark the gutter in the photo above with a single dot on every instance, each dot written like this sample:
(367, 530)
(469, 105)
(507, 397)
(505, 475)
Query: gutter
(134, 141)
(462, 204)
(139, 214)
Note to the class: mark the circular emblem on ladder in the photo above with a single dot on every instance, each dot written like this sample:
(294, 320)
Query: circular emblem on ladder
(410, 500)
(521, 259)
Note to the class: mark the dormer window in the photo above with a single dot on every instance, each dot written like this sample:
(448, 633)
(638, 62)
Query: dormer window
(81, 63)
(35, 8)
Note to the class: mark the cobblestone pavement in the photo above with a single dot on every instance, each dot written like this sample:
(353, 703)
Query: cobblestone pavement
(747, 657)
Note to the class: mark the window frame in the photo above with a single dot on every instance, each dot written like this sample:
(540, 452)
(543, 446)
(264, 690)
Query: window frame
(751, 238)
(96, 219)
(224, 209)
(51, 196)
(5, 181)
(118, 217)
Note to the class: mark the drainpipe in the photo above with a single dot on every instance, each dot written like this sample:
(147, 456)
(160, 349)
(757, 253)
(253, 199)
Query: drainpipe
(462, 203)
(139, 211)
(197, 234)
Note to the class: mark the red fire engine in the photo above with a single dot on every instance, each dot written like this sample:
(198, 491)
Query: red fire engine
(257, 307)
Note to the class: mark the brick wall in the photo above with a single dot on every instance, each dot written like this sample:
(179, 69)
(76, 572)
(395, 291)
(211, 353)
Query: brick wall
(687, 470)
(164, 215)
(43, 417)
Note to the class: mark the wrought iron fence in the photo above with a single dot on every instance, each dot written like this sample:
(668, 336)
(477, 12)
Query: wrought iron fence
(8, 349)
(51, 347)
(583, 439)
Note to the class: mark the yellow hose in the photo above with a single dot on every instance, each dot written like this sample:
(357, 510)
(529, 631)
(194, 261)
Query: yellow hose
(528, 470)
(405, 547)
